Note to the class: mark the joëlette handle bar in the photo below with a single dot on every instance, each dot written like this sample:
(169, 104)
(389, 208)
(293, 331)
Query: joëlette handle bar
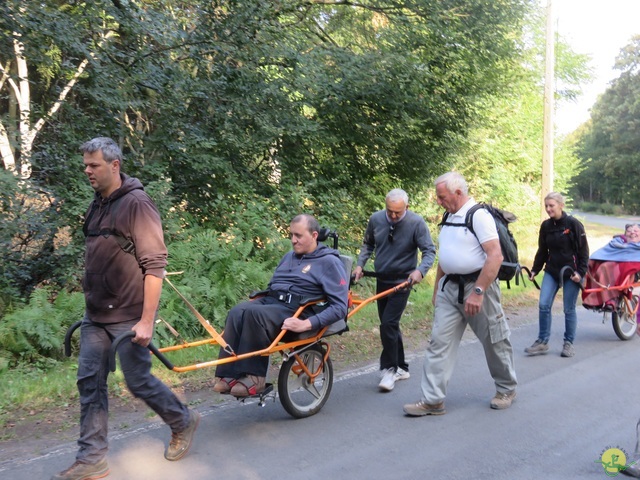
(533, 280)
(67, 337)
(120, 338)
(361, 303)
(382, 276)
(114, 346)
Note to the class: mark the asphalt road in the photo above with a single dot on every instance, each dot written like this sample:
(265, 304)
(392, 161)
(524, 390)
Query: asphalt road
(568, 412)
(608, 220)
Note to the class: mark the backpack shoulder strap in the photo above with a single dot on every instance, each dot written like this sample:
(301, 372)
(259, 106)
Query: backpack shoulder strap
(468, 219)
(88, 216)
(126, 244)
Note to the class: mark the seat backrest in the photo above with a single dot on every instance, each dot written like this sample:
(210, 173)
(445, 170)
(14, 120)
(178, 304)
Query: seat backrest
(347, 263)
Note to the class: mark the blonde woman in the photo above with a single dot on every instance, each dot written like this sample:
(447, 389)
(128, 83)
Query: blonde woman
(562, 242)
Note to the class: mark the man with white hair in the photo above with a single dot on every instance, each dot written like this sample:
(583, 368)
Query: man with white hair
(467, 292)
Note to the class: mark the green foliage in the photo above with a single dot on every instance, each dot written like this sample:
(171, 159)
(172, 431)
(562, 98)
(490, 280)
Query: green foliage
(36, 332)
(501, 156)
(219, 269)
(609, 145)
(34, 246)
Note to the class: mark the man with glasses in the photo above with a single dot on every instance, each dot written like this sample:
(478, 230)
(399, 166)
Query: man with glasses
(395, 235)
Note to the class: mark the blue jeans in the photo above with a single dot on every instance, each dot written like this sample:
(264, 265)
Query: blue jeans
(93, 368)
(548, 291)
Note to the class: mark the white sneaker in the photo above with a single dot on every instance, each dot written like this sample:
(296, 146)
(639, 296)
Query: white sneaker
(388, 380)
(402, 374)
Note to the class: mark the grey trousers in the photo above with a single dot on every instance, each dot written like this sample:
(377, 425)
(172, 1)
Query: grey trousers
(93, 369)
(450, 321)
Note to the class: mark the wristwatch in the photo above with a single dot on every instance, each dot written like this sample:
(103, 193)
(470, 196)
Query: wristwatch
(478, 290)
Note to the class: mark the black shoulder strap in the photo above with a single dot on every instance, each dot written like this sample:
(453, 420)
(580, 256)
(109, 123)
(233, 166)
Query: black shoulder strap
(89, 215)
(468, 219)
(126, 244)
(574, 233)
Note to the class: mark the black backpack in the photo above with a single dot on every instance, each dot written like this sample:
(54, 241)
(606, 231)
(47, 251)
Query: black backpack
(510, 267)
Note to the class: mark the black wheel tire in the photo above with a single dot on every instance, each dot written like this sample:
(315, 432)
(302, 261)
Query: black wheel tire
(623, 320)
(300, 396)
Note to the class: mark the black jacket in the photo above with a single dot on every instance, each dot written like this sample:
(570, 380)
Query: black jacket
(561, 243)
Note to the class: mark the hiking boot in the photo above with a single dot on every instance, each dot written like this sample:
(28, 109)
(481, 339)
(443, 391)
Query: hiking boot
(388, 380)
(181, 441)
(84, 471)
(421, 408)
(568, 350)
(503, 400)
(402, 374)
(538, 348)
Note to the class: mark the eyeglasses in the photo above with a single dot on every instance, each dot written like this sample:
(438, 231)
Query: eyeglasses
(392, 229)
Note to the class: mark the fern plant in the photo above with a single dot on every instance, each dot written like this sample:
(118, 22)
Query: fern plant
(218, 271)
(38, 329)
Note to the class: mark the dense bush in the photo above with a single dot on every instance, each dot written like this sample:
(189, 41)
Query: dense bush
(217, 270)
(37, 330)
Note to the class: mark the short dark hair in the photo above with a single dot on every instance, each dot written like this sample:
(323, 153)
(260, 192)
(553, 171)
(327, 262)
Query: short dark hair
(109, 148)
(312, 223)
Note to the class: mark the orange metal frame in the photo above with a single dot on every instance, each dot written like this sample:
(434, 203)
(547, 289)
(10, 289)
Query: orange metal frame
(278, 345)
(623, 289)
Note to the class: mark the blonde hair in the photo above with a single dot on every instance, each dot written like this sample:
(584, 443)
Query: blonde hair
(556, 197)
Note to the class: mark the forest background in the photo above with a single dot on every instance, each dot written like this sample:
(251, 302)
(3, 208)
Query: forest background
(237, 115)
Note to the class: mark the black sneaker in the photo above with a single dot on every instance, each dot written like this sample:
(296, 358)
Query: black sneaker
(181, 441)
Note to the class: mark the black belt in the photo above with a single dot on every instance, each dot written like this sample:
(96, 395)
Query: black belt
(286, 297)
(461, 280)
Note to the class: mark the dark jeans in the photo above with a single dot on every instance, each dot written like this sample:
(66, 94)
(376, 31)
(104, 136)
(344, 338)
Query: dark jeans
(93, 368)
(252, 326)
(390, 310)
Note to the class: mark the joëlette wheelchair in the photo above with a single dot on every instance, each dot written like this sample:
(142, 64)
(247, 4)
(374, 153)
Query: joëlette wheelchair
(609, 289)
(305, 377)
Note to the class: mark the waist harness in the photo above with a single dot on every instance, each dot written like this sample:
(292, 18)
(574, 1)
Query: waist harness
(461, 280)
(287, 297)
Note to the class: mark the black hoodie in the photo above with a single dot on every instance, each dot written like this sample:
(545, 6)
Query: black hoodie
(315, 274)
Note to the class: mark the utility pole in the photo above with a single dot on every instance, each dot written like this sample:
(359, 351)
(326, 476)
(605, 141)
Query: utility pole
(549, 100)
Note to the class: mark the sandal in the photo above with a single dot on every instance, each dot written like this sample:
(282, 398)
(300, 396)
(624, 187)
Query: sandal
(248, 386)
(224, 385)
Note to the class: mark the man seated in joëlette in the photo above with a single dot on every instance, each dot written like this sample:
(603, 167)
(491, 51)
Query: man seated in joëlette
(309, 270)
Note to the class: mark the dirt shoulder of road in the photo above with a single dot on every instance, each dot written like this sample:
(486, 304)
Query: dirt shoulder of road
(32, 434)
